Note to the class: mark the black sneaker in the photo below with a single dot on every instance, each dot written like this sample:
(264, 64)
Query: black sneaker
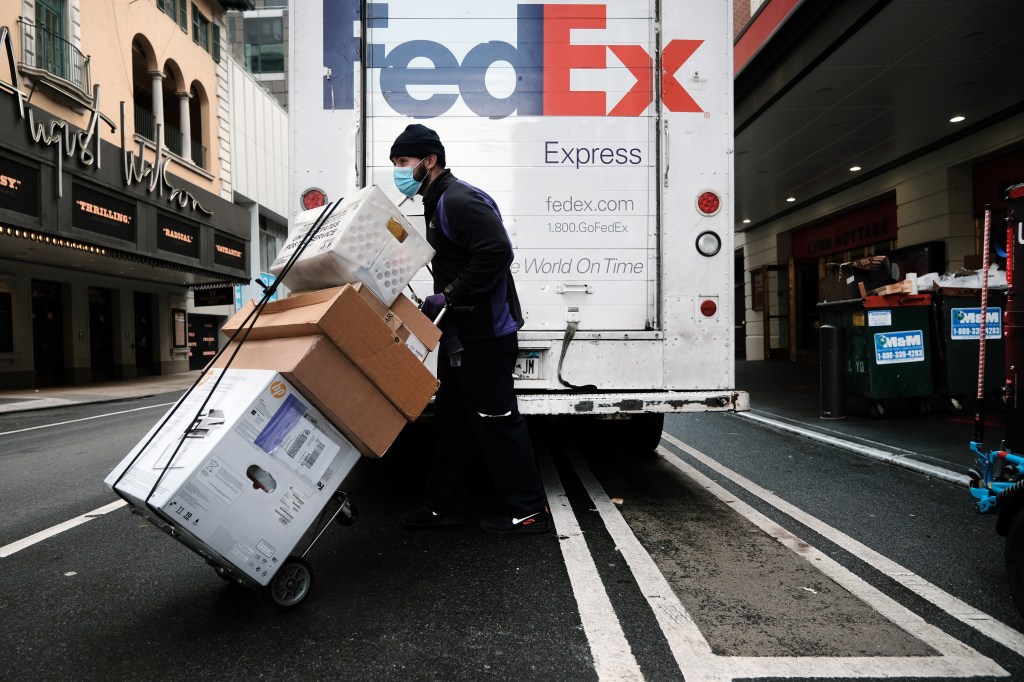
(538, 522)
(423, 517)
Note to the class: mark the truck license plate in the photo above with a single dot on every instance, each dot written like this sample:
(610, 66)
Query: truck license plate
(528, 364)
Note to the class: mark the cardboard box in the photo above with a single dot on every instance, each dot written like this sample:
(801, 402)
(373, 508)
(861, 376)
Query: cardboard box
(249, 481)
(418, 324)
(323, 374)
(387, 348)
(367, 239)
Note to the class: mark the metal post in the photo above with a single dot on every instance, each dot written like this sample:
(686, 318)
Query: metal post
(832, 390)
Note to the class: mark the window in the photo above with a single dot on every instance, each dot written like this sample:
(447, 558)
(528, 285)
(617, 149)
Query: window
(51, 46)
(200, 29)
(272, 237)
(216, 43)
(169, 7)
(264, 44)
(177, 10)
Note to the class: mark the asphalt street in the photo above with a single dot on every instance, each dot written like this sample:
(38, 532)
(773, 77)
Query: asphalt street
(736, 551)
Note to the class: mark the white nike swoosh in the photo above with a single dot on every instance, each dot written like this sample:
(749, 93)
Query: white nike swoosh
(516, 522)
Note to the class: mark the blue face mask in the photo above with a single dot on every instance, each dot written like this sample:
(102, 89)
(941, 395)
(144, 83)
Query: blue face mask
(405, 182)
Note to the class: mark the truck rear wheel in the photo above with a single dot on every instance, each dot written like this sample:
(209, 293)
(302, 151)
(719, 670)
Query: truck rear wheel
(641, 433)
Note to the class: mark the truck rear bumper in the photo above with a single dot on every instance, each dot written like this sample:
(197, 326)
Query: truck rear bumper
(633, 402)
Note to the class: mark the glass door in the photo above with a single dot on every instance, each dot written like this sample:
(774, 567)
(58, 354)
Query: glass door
(776, 312)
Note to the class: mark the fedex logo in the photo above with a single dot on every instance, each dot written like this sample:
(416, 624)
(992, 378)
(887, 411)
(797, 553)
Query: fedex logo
(542, 59)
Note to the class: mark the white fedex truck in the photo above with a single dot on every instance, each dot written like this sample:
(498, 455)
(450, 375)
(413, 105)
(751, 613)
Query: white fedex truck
(603, 130)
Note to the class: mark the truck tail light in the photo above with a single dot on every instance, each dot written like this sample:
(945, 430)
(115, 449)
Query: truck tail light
(708, 203)
(708, 243)
(314, 197)
(708, 307)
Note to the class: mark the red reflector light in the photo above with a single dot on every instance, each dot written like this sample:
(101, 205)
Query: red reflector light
(708, 203)
(708, 308)
(313, 198)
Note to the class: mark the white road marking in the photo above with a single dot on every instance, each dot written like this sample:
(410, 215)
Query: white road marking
(8, 550)
(900, 460)
(693, 653)
(965, 613)
(83, 419)
(955, 660)
(613, 658)
(684, 638)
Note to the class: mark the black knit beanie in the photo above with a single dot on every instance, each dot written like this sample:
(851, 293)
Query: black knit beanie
(418, 141)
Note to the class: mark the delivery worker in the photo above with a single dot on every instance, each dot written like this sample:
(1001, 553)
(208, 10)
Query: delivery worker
(476, 409)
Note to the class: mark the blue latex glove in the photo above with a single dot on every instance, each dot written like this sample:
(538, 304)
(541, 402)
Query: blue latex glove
(432, 305)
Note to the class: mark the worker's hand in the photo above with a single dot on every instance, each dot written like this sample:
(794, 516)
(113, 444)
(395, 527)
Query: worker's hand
(432, 305)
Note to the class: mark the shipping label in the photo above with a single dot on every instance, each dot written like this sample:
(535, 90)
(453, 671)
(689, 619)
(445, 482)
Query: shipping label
(293, 436)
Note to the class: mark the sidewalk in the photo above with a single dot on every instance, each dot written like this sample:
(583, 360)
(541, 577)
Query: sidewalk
(787, 393)
(105, 392)
(783, 395)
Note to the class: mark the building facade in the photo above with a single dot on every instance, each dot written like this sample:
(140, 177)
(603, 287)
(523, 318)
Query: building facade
(117, 217)
(259, 42)
(858, 139)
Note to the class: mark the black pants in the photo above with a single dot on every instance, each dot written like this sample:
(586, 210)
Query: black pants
(477, 416)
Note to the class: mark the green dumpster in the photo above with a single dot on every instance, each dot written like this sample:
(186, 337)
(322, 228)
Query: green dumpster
(887, 347)
(958, 316)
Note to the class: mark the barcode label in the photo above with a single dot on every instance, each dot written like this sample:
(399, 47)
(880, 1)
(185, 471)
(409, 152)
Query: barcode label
(310, 459)
(297, 445)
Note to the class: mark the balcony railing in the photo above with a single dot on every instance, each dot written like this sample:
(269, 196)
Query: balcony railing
(198, 154)
(145, 126)
(145, 123)
(173, 139)
(44, 50)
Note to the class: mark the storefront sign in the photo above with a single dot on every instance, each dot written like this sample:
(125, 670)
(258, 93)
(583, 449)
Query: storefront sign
(19, 187)
(892, 348)
(69, 142)
(137, 169)
(965, 324)
(862, 227)
(203, 331)
(101, 214)
(219, 296)
(177, 237)
(228, 252)
(56, 133)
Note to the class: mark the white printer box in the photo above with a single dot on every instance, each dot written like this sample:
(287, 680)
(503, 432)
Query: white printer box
(367, 239)
(250, 478)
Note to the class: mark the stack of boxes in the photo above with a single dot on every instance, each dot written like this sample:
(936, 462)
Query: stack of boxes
(321, 377)
(358, 361)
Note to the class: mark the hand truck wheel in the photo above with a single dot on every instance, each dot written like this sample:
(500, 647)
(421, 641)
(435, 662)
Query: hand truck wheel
(291, 584)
